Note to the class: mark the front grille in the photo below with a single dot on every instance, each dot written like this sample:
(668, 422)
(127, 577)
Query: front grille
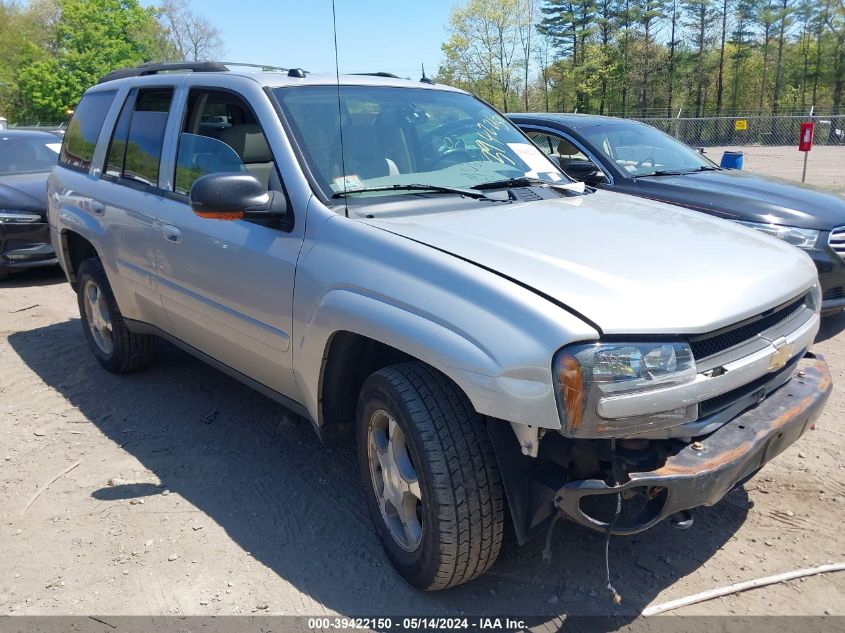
(837, 241)
(711, 344)
(834, 293)
(723, 401)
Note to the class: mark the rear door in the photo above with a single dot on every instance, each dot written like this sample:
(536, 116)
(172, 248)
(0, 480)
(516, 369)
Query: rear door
(127, 196)
(227, 286)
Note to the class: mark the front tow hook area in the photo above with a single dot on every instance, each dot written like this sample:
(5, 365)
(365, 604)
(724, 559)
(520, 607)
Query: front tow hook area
(682, 520)
(704, 471)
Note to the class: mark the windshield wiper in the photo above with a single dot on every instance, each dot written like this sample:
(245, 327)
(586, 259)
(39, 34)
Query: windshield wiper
(415, 187)
(677, 172)
(507, 183)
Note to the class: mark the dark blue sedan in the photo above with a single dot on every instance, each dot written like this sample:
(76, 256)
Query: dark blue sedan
(26, 158)
(635, 158)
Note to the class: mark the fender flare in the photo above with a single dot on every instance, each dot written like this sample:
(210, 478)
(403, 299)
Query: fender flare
(72, 220)
(455, 353)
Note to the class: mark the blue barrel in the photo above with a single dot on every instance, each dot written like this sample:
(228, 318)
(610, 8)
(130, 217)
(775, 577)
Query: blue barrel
(731, 160)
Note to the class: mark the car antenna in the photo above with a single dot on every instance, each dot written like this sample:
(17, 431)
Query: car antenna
(339, 112)
(424, 79)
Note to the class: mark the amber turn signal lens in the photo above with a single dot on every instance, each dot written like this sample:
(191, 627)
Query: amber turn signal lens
(212, 215)
(571, 379)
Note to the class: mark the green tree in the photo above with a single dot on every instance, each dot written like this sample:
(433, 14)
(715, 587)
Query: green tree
(482, 49)
(741, 44)
(91, 38)
(700, 24)
(720, 83)
(784, 18)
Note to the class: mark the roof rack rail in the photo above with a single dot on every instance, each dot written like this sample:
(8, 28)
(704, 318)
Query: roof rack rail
(152, 68)
(261, 66)
(379, 74)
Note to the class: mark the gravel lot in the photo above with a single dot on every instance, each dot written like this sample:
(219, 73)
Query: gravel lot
(825, 164)
(195, 495)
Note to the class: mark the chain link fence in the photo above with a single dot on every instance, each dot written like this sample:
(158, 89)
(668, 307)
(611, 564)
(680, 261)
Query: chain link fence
(769, 144)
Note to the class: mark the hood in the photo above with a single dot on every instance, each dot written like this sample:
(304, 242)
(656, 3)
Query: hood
(738, 195)
(24, 191)
(627, 264)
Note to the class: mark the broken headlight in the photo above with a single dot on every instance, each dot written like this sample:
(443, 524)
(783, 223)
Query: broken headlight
(588, 373)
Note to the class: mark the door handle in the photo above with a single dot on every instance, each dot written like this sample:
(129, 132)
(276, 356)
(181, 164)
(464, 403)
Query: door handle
(171, 233)
(97, 207)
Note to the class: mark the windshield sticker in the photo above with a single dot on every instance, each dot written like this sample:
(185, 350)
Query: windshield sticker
(347, 183)
(488, 141)
(531, 156)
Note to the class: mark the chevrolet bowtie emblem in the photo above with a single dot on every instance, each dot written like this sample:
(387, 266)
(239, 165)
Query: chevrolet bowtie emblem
(783, 353)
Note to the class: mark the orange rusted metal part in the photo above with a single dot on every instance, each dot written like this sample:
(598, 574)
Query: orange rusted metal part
(815, 370)
(702, 472)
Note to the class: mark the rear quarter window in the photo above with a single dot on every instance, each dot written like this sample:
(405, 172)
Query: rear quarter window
(81, 137)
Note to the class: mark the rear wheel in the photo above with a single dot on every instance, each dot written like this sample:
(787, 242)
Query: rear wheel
(117, 349)
(432, 483)
(4, 274)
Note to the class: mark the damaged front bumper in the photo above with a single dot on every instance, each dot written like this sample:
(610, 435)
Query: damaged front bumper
(703, 471)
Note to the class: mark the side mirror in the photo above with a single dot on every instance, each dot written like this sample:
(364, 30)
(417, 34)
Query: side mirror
(235, 196)
(586, 171)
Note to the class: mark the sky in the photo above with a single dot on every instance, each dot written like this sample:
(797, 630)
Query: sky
(394, 36)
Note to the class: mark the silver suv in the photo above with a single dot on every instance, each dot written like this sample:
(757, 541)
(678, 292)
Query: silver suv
(396, 262)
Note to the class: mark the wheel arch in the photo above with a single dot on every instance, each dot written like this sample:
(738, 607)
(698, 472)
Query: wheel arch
(351, 333)
(75, 249)
(349, 359)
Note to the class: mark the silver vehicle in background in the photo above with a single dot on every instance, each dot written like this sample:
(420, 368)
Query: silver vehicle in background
(400, 265)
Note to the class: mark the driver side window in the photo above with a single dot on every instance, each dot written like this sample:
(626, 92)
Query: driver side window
(221, 134)
(201, 155)
(559, 147)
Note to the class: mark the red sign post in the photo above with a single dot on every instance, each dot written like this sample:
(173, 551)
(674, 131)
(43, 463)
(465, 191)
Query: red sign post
(805, 144)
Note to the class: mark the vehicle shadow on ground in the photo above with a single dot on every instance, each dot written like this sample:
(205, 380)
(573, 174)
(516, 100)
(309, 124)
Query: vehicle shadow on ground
(830, 327)
(47, 276)
(297, 506)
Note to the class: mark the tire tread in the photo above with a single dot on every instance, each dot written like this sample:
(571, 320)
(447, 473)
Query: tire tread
(132, 351)
(468, 489)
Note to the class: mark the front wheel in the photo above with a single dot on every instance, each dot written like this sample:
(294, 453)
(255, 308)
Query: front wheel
(432, 483)
(117, 349)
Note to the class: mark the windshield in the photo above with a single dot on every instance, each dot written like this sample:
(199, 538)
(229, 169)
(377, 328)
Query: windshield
(641, 150)
(27, 155)
(403, 136)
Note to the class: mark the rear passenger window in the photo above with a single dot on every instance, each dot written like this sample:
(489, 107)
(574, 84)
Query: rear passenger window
(117, 146)
(135, 148)
(81, 137)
